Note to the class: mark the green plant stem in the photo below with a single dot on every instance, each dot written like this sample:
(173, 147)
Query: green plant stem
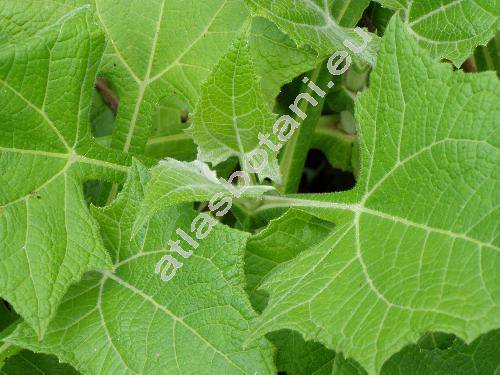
(295, 152)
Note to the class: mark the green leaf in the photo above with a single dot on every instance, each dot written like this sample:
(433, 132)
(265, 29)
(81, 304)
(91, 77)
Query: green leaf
(482, 356)
(265, 250)
(129, 321)
(449, 29)
(27, 362)
(174, 182)
(232, 112)
(416, 246)
(312, 23)
(170, 48)
(21, 21)
(47, 237)
(277, 58)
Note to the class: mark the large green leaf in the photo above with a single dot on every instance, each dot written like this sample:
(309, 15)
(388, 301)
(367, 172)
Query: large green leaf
(47, 237)
(159, 49)
(416, 246)
(129, 321)
(449, 28)
(313, 23)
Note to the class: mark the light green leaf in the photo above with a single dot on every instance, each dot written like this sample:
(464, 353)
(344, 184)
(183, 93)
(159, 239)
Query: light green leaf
(161, 49)
(416, 246)
(280, 242)
(312, 23)
(129, 321)
(449, 29)
(277, 58)
(23, 20)
(174, 182)
(47, 237)
(231, 112)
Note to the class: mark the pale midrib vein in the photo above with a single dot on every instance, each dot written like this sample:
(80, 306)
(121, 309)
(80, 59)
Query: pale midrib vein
(285, 202)
(190, 46)
(71, 159)
(427, 228)
(145, 83)
(148, 298)
(233, 109)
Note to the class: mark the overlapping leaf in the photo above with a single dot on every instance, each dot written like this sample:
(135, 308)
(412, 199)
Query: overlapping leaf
(47, 236)
(160, 49)
(450, 29)
(416, 244)
(129, 321)
(174, 182)
(231, 112)
(312, 22)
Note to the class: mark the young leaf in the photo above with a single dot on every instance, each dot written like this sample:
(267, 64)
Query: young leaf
(450, 29)
(129, 321)
(174, 182)
(311, 22)
(47, 237)
(416, 244)
(231, 112)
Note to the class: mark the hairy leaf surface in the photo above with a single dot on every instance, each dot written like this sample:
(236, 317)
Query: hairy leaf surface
(129, 321)
(174, 182)
(312, 22)
(416, 245)
(450, 29)
(231, 112)
(164, 48)
(47, 237)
